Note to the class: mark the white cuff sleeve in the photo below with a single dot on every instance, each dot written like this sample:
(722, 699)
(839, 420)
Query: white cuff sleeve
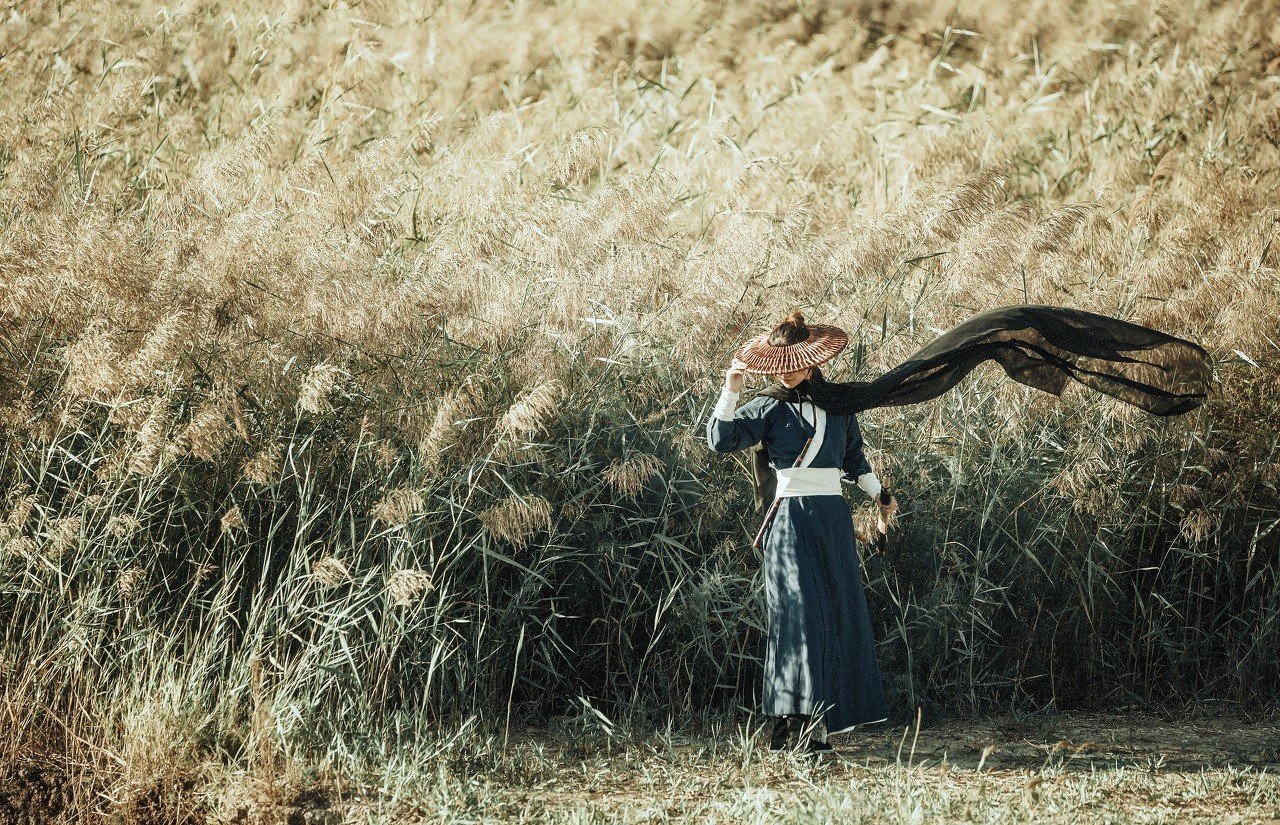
(870, 484)
(726, 405)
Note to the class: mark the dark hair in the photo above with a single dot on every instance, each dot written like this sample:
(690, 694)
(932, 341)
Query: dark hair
(790, 331)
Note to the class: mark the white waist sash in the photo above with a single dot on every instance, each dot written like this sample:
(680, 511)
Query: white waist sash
(808, 481)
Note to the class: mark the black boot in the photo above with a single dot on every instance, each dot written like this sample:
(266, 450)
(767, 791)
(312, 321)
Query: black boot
(778, 736)
(815, 748)
(804, 737)
(796, 726)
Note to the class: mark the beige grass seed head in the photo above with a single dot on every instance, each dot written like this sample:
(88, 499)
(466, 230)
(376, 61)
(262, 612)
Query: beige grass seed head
(1197, 525)
(151, 446)
(123, 526)
(629, 476)
(516, 519)
(264, 468)
(208, 432)
(330, 571)
(406, 587)
(160, 351)
(93, 362)
(131, 585)
(24, 504)
(22, 547)
(63, 537)
(398, 506)
(443, 429)
(202, 571)
(530, 413)
(313, 394)
(232, 520)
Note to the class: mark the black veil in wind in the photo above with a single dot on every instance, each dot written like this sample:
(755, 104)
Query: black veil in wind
(1041, 346)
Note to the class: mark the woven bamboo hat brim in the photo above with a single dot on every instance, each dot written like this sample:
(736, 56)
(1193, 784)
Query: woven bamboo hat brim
(762, 358)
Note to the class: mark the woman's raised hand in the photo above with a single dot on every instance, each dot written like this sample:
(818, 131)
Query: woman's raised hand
(736, 376)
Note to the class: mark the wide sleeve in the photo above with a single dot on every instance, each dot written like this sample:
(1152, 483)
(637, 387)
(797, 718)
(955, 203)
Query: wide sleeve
(855, 464)
(729, 430)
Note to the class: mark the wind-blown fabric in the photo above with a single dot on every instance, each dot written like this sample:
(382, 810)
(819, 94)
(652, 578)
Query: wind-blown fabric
(1041, 346)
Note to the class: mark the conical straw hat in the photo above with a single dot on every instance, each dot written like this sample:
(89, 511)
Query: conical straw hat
(762, 358)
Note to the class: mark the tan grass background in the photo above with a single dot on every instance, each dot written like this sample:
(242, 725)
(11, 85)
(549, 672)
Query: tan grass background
(355, 356)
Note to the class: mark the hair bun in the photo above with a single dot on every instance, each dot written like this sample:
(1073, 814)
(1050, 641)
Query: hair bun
(795, 319)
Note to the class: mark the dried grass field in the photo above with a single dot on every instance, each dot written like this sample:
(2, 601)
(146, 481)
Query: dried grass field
(354, 359)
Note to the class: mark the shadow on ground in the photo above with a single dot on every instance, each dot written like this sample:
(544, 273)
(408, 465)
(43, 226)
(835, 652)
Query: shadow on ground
(1076, 740)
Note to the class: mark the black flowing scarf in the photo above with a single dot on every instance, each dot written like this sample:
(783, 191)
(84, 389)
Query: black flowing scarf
(1041, 346)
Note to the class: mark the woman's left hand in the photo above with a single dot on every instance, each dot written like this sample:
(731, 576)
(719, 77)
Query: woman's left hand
(886, 517)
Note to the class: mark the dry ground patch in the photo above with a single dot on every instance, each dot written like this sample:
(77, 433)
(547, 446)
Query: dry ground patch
(1123, 767)
(1083, 767)
(1074, 767)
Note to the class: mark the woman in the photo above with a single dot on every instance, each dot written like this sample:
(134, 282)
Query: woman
(820, 667)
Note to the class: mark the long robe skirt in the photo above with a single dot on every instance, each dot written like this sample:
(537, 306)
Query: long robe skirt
(820, 658)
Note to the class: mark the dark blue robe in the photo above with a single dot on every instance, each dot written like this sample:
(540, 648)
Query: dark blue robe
(820, 658)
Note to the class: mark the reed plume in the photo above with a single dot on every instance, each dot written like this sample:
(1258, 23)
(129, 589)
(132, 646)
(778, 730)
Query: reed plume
(516, 519)
(406, 587)
(330, 571)
(628, 477)
(532, 409)
(313, 394)
(264, 468)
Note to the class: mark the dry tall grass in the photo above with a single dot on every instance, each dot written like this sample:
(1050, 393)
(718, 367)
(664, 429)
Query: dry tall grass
(355, 356)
